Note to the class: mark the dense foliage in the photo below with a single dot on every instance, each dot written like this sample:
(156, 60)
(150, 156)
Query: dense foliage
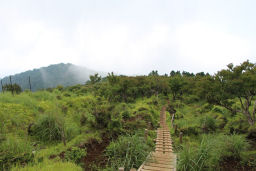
(100, 125)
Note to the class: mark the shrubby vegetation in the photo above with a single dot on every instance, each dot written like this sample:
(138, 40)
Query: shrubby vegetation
(100, 125)
(128, 151)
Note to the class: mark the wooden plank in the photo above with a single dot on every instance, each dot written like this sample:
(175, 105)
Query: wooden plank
(160, 165)
(161, 161)
(156, 168)
(164, 145)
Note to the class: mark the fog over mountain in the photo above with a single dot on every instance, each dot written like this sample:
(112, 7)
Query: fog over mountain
(52, 76)
(128, 37)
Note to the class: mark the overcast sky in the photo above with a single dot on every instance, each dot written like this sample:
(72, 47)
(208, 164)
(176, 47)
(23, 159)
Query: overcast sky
(127, 36)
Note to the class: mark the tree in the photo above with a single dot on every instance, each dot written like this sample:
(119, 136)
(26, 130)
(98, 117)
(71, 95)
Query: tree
(187, 74)
(227, 85)
(112, 79)
(202, 74)
(173, 73)
(12, 87)
(94, 78)
(240, 82)
(153, 73)
(176, 84)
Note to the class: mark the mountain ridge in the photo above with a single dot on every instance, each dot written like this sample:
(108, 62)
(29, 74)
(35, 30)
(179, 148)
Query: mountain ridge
(51, 76)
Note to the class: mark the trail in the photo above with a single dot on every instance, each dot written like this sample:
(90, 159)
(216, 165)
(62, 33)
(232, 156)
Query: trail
(163, 158)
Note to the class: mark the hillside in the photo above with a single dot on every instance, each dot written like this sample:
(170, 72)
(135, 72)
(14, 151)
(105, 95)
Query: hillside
(51, 76)
(110, 123)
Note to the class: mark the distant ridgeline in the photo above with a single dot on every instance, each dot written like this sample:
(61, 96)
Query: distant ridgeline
(51, 76)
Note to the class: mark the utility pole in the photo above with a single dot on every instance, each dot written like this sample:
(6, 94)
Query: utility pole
(11, 84)
(29, 83)
(2, 86)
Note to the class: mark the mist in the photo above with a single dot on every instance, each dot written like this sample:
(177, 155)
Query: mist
(126, 37)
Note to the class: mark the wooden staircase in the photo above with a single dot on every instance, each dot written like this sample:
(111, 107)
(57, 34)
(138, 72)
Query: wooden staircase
(162, 159)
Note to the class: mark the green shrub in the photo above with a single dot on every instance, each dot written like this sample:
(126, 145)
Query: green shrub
(43, 95)
(14, 150)
(191, 99)
(75, 154)
(212, 150)
(195, 158)
(185, 162)
(71, 130)
(235, 145)
(49, 165)
(249, 158)
(48, 128)
(208, 123)
(126, 115)
(14, 117)
(205, 108)
(218, 109)
(237, 124)
(128, 152)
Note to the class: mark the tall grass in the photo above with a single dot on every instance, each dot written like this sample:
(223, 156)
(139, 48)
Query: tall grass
(49, 165)
(23, 99)
(128, 152)
(14, 150)
(212, 150)
(14, 117)
(49, 128)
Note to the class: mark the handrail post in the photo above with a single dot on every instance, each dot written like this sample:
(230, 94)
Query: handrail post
(181, 134)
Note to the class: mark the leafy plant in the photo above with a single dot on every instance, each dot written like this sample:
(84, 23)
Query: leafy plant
(49, 165)
(75, 154)
(14, 150)
(128, 152)
(48, 128)
(212, 150)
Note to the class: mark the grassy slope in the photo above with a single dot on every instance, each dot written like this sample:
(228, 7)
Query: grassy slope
(19, 111)
(207, 141)
(201, 124)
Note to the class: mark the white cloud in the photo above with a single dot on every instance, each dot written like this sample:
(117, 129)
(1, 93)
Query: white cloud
(126, 37)
(209, 48)
(118, 46)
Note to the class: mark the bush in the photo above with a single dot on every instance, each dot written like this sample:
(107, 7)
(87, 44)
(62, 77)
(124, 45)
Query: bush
(128, 152)
(14, 118)
(194, 158)
(249, 158)
(75, 154)
(208, 123)
(234, 146)
(49, 165)
(212, 150)
(14, 150)
(191, 99)
(48, 128)
(71, 130)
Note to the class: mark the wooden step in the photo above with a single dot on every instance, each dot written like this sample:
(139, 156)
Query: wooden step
(162, 159)
(156, 168)
(170, 166)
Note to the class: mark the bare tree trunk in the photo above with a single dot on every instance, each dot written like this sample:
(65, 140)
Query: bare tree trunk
(246, 111)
